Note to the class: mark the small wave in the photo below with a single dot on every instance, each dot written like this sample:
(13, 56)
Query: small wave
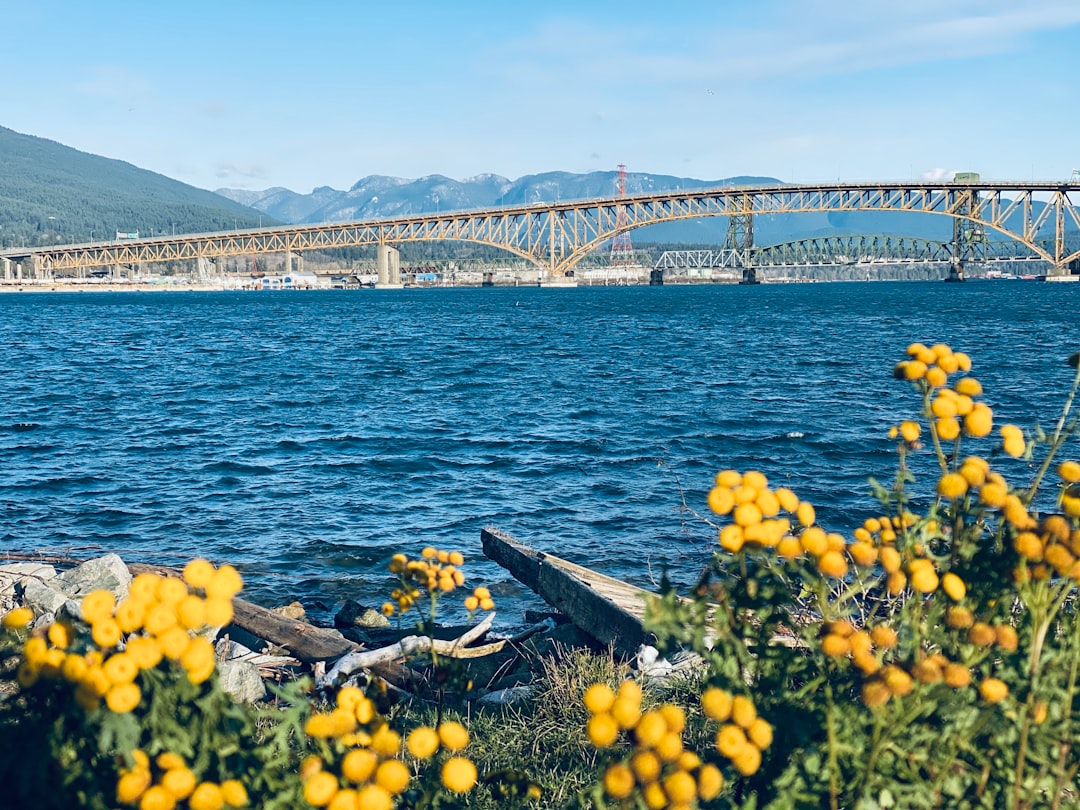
(237, 467)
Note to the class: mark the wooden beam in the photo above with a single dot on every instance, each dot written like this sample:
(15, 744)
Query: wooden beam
(608, 609)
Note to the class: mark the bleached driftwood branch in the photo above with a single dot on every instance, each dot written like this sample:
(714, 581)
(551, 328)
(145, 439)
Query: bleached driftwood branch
(412, 645)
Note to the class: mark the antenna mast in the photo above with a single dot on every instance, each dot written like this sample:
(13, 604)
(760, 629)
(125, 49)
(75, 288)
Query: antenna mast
(622, 252)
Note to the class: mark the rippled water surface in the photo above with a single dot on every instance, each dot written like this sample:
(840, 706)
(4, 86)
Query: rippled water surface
(306, 437)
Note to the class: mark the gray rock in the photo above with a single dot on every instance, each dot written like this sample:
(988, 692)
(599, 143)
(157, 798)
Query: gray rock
(508, 697)
(353, 614)
(293, 610)
(13, 574)
(107, 572)
(42, 598)
(241, 681)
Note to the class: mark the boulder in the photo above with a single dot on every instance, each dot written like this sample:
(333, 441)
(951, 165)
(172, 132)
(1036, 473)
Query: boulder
(241, 681)
(353, 614)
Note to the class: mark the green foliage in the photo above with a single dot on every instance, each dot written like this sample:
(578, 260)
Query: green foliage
(51, 194)
(930, 661)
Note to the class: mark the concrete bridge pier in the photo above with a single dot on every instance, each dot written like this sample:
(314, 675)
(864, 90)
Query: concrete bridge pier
(388, 261)
(7, 269)
(956, 271)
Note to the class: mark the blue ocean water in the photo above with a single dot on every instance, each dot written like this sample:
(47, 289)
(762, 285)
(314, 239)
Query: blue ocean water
(308, 436)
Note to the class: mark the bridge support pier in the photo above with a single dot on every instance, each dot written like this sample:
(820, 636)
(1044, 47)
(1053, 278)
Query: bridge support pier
(956, 271)
(388, 262)
(656, 277)
(7, 269)
(1065, 272)
(749, 275)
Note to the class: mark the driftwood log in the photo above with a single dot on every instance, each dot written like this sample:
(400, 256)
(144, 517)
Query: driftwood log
(608, 609)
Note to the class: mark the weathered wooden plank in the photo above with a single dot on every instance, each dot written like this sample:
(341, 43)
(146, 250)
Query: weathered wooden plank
(608, 609)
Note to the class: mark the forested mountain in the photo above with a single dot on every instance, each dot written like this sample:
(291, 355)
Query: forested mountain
(50, 193)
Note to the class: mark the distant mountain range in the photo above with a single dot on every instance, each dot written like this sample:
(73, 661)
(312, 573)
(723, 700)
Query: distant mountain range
(380, 196)
(51, 193)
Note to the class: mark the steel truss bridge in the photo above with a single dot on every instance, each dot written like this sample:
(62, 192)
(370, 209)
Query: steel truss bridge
(831, 251)
(556, 236)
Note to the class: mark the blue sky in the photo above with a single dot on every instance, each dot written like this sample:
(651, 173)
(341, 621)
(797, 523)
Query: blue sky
(246, 94)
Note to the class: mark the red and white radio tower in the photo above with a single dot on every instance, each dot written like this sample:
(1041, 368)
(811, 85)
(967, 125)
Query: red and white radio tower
(622, 252)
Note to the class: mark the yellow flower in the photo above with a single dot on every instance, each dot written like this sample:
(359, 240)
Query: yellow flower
(805, 514)
(982, 634)
(198, 659)
(980, 422)
(954, 586)
(423, 742)
(157, 798)
(968, 386)
(393, 776)
(18, 618)
(218, 611)
(60, 634)
(743, 712)
(191, 612)
(884, 637)
(952, 486)
(1069, 471)
(720, 500)
(947, 427)
(131, 785)
(174, 642)
(387, 742)
(180, 782)
(171, 591)
(760, 733)
(453, 735)
(121, 668)
(680, 787)
(123, 697)
(710, 782)
(198, 573)
(373, 797)
(956, 675)
(359, 765)
(459, 774)
(747, 761)
(599, 698)
(993, 690)
(909, 431)
(130, 614)
(159, 618)
(225, 583)
(603, 730)
(649, 729)
(146, 652)
(924, 579)
(716, 703)
(1006, 637)
(98, 605)
(234, 793)
(730, 740)
(144, 587)
(618, 781)
(832, 564)
(320, 788)
(105, 632)
(206, 796)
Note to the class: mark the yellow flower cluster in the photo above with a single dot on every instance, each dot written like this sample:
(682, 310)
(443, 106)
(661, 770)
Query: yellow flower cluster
(743, 735)
(458, 772)
(371, 773)
(893, 680)
(156, 620)
(1069, 471)
(875, 544)
(175, 783)
(1053, 545)
(658, 766)
(756, 521)
(437, 571)
(481, 598)
(954, 409)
